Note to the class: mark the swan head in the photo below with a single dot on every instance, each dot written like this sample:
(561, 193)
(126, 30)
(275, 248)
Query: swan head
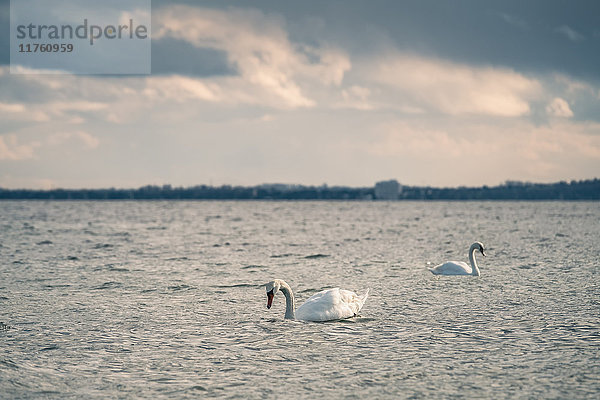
(479, 246)
(272, 288)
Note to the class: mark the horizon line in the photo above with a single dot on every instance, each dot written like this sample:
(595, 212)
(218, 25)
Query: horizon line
(168, 186)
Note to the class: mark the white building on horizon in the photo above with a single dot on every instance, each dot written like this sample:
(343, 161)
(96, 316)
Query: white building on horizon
(387, 190)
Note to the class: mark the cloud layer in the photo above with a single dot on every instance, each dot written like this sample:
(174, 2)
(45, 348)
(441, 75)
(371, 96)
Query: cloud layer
(257, 46)
(298, 105)
(455, 89)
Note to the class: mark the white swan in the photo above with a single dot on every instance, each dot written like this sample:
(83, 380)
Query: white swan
(327, 305)
(459, 267)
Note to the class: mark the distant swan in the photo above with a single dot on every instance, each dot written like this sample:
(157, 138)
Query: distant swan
(327, 305)
(459, 267)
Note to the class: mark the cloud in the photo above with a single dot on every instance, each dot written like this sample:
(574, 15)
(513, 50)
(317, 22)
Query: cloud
(89, 141)
(11, 108)
(269, 65)
(141, 16)
(455, 89)
(61, 107)
(570, 33)
(355, 97)
(51, 110)
(513, 20)
(182, 88)
(10, 149)
(559, 108)
(285, 110)
(460, 152)
(573, 86)
(401, 138)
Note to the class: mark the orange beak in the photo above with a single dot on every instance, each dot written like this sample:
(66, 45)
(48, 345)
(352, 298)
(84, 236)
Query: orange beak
(270, 299)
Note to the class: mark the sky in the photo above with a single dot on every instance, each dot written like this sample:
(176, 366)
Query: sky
(342, 92)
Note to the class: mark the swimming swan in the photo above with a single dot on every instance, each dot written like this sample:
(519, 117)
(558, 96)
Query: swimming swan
(327, 305)
(459, 267)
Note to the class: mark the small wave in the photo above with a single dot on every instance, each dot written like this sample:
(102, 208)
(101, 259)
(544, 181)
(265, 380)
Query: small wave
(163, 379)
(103, 246)
(248, 285)
(275, 320)
(528, 266)
(111, 267)
(4, 327)
(125, 234)
(177, 288)
(44, 242)
(8, 363)
(318, 255)
(282, 255)
(177, 259)
(72, 258)
(65, 285)
(308, 290)
(253, 266)
(107, 285)
(156, 228)
(197, 388)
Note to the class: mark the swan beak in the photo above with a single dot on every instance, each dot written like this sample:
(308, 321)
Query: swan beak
(482, 253)
(270, 299)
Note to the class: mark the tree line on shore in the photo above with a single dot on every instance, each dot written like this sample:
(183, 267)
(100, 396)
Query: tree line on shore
(574, 190)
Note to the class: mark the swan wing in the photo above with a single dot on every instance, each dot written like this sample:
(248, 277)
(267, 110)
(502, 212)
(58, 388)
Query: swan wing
(452, 268)
(331, 304)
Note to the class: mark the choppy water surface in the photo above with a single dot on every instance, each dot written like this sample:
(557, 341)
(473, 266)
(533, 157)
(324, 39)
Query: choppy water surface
(162, 299)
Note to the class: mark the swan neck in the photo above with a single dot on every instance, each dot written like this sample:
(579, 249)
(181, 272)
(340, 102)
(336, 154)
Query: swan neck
(289, 301)
(474, 268)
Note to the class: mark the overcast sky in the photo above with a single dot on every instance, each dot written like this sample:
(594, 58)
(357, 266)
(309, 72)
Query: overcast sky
(317, 91)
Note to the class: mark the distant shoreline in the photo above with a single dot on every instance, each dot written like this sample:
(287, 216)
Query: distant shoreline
(302, 200)
(566, 191)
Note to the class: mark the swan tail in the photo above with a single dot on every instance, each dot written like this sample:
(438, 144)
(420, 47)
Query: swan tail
(363, 298)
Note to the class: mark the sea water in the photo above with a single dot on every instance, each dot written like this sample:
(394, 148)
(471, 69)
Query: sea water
(163, 300)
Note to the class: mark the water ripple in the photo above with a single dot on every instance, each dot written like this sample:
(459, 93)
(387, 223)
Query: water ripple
(133, 300)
